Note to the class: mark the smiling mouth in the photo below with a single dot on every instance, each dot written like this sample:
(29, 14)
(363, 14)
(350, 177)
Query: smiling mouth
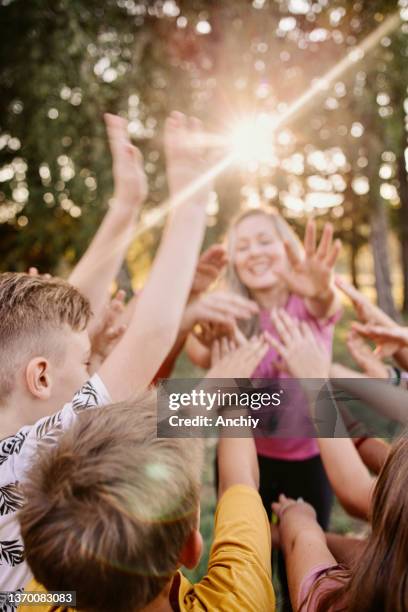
(259, 269)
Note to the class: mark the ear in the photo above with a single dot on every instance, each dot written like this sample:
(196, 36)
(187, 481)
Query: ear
(38, 378)
(191, 552)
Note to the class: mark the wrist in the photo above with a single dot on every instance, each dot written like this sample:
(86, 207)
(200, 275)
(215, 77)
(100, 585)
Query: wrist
(325, 297)
(124, 204)
(189, 318)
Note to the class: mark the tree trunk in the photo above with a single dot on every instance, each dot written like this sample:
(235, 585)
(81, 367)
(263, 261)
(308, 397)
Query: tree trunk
(379, 246)
(403, 222)
(353, 263)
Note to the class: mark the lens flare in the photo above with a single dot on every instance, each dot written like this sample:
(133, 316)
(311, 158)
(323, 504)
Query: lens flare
(251, 139)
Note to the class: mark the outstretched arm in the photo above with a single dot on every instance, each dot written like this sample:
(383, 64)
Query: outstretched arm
(237, 459)
(306, 359)
(97, 269)
(158, 311)
(303, 542)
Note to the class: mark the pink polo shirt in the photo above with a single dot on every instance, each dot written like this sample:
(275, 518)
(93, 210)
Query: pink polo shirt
(297, 416)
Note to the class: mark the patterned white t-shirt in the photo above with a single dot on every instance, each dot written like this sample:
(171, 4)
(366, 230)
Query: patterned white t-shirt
(16, 457)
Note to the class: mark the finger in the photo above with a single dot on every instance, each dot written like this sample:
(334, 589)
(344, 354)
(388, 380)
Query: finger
(219, 318)
(292, 325)
(209, 269)
(281, 326)
(33, 271)
(278, 346)
(231, 345)
(333, 254)
(291, 253)
(224, 347)
(239, 337)
(240, 301)
(214, 254)
(115, 332)
(307, 332)
(325, 241)
(353, 293)
(310, 237)
(362, 328)
(231, 308)
(215, 352)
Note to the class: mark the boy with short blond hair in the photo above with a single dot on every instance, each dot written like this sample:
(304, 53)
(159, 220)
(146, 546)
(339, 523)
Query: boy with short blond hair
(44, 338)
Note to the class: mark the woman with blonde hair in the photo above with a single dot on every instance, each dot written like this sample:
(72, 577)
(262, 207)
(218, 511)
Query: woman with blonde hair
(269, 266)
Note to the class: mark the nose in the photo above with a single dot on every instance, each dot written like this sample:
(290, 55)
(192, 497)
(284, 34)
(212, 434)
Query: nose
(255, 249)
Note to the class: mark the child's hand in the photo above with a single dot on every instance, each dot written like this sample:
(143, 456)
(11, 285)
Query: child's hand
(365, 358)
(220, 309)
(209, 266)
(313, 276)
(127, 164)
(231, 362)
(303, 356)
(184, 145)
(106, 332)
(290, 509)
(389, 340)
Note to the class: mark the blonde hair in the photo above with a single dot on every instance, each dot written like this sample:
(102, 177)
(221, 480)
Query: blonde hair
(110, 507)
(231, 281)
(31, 307)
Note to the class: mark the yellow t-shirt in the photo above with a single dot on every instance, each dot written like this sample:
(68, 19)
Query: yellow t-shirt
(239, 568)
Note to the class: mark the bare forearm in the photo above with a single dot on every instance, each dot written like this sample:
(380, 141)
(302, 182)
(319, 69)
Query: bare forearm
(156, 320)
(344, 549)
(337, 370)
(237, 463)
(323, 307)
(380, 396)
(374, 453)
(350, 479)
(97, 269)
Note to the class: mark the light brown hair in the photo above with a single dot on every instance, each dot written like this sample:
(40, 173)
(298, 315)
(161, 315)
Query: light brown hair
(378, 580)
(30, 308)
(110, 507)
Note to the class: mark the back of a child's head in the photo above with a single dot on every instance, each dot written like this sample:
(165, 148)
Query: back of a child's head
(110, 508)
(33, 309)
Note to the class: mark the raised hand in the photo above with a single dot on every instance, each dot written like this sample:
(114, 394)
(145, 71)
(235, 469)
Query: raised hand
(186, 161)
(303, 356)
(127, 164)
(389, 340)
(219, 308)
(312, 276)
(210, 265)
(228, 361)
(365, 358)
